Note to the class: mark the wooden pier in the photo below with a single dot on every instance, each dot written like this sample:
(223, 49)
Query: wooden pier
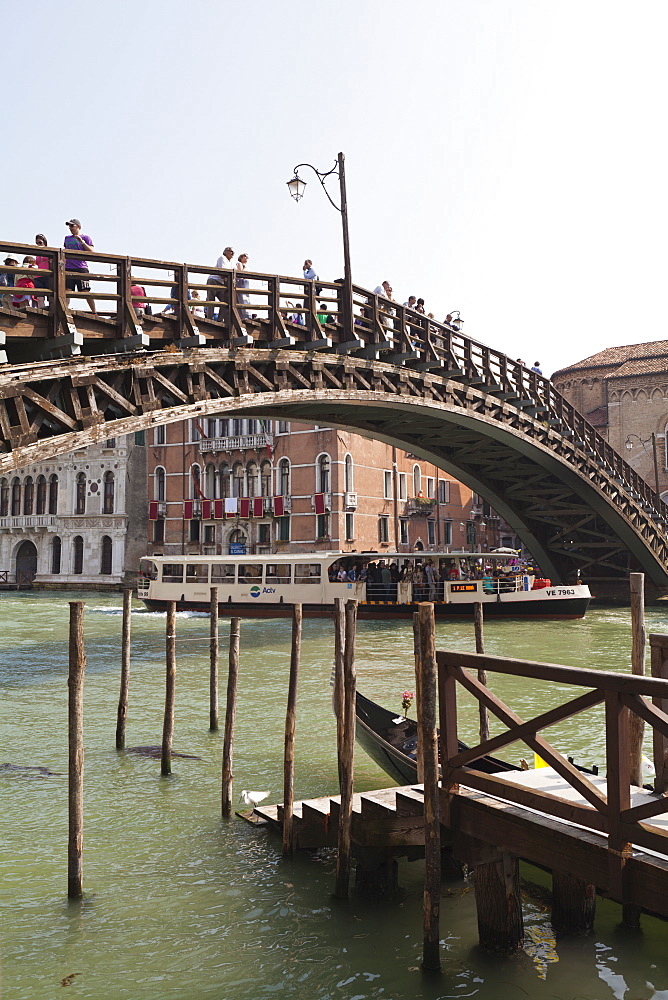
(594, 834)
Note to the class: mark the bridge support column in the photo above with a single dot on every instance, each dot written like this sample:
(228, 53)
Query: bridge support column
(573, 904)
(499, 906)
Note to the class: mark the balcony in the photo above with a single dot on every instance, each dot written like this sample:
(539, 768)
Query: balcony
(242, 442)
(28, 521)
(350, 501)
(419, 506)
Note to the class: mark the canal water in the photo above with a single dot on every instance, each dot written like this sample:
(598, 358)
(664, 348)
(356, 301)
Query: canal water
(181, 905)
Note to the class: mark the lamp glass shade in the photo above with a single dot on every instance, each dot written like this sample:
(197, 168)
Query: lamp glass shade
(458, 323)
(296, 187)
(629, 444)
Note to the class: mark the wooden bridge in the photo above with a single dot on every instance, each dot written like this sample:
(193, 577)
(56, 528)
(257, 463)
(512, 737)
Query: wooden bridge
(281, 347)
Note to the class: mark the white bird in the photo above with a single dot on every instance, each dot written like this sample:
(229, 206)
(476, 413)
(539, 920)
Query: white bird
(647, 765)
(253, 798)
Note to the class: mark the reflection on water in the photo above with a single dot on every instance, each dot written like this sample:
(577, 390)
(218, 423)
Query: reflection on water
(180, 904)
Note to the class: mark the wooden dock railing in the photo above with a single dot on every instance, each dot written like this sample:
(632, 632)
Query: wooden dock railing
(610, 814)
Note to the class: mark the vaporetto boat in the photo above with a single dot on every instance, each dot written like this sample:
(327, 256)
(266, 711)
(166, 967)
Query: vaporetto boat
(386, 584)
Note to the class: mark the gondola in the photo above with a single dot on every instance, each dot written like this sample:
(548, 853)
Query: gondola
(393, 745)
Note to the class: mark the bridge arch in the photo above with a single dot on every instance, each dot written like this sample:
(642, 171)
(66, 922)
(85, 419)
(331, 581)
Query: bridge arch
(574, 502)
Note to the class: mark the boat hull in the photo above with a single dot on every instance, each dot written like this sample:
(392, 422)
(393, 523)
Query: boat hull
(555, 609)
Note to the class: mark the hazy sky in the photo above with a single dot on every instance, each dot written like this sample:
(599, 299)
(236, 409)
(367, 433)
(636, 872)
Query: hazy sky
(504, 157)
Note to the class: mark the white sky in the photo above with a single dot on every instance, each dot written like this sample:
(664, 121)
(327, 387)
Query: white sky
(503, 157)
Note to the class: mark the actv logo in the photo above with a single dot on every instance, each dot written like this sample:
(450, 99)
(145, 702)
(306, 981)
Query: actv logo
(255, 591)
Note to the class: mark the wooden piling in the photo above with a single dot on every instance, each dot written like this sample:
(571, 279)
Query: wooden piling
(573, 904)
(75, 684)
(482, 674)
(432, 826)
(499, 905)
(636, 724)
(213, 670)
(418, 698)
(346, 763)
(230, 715)
(170, 687)
(125, 671)
(339, 643)
(290, 719)
(659, 667)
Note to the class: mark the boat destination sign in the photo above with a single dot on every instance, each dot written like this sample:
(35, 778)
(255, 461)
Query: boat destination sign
(463, 588)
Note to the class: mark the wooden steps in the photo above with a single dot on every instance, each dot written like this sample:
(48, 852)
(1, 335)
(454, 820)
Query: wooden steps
(388, 817)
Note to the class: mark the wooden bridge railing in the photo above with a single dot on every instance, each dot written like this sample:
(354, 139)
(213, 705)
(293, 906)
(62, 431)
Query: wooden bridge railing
(278, 311)
(612, 814)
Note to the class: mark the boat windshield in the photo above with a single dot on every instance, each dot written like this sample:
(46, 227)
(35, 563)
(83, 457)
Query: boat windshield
(148, 569)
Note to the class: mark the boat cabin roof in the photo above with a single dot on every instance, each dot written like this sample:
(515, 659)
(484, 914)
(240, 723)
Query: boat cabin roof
(326, 558)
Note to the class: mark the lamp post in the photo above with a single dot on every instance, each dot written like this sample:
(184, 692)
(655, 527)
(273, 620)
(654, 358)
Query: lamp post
(645, 441)
(296, 186)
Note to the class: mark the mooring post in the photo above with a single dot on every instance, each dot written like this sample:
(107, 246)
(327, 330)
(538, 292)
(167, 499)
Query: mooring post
(339, 642)
(213, 672)
(432, 825)
(290, 718)
(170, 687)
(346, 765)
(418, 695)
(230, 716)
(573, 904)
(75, 684)
(636, 724)
(482, 674)
(125, 670)
(498, 903)
(659, 666)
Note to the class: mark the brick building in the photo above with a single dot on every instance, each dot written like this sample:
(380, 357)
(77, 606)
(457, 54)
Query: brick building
(623, 392)
(232, 485)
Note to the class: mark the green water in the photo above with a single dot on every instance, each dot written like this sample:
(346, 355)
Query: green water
(180, 904)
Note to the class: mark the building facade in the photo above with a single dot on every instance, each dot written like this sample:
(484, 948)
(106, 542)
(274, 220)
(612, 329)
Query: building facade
(224, 485)
(623, 392)
(76, 521)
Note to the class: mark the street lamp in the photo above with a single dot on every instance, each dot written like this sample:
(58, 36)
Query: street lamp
(456, 320)
(296, 187)
(645, 441)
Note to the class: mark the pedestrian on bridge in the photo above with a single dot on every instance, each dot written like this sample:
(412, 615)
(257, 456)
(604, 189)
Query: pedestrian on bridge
(309, 270)
(78, 241)
(225, 262)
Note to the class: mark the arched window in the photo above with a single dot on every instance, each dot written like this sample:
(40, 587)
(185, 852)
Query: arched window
(28, 495)
(210, 483)
(225, 478)
(323, 474)
(159, 483)
(252, 478)
(56, 549)
(80, 494)
(284, 478)
(195, 481)
(4, 498)
(238, 480)
(78, 548)
(16, 496)
(41, 495)
(349, 475)
(238, 537)
(109, 493)
(53, 494)
(417, 480)
(105, 556)
(265, 476)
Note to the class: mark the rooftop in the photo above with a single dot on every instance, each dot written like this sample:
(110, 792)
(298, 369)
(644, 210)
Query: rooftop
(629, 359)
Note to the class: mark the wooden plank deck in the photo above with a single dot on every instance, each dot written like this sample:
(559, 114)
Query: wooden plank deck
(393, 818)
